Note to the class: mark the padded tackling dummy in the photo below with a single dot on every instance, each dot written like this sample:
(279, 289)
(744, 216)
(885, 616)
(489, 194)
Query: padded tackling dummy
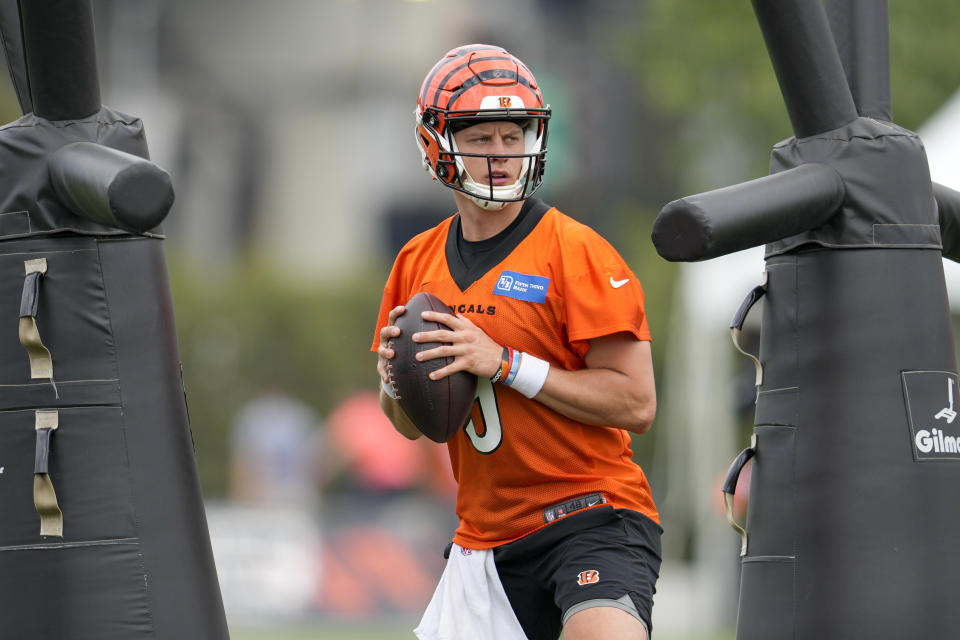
(855, 492)
(103, 534)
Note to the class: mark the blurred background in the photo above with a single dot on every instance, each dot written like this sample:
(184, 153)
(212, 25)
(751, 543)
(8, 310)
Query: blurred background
(287, 128)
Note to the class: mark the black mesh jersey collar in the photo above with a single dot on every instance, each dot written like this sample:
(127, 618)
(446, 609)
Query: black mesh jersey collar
(487, 257)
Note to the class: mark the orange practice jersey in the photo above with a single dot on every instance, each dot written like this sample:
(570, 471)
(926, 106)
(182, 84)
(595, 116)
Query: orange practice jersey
(554, 285)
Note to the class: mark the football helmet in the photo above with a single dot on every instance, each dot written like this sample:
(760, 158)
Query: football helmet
(471, 84)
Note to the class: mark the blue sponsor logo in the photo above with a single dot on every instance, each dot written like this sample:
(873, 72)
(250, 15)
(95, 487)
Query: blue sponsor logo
(522, 286)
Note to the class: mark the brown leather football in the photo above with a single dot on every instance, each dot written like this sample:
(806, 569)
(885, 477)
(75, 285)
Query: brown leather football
(439, 408)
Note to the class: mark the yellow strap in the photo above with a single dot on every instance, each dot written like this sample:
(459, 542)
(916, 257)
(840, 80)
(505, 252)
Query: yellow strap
(47, 419)
(37, 265)
(735, 335)
(728, 499)
(728, 502)
(44, 497)
(41, 362)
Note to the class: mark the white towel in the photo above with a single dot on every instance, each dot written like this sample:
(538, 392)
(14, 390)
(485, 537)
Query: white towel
(469, 603)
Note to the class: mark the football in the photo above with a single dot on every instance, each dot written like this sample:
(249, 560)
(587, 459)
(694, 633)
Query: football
(439, 408)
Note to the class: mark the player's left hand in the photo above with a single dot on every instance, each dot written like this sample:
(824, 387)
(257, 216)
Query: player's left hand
(472, 349)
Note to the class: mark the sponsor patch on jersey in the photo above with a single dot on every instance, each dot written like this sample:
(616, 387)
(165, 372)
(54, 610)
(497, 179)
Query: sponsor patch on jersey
(522, 286)
(558, 511)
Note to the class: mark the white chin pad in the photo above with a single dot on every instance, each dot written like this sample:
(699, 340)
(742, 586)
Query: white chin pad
(489, 205)
(507, 192)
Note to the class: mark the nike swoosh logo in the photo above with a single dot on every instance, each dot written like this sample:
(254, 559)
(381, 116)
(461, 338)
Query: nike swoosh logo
(616, 284)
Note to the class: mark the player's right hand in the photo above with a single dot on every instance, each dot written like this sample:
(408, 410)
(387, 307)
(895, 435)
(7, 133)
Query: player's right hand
(388, 333)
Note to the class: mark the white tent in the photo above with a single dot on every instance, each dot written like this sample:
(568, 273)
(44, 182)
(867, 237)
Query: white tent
(941, 138)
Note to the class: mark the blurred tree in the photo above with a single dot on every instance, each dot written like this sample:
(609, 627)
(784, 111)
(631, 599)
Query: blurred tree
(657, 276)
(253, 328)
(708, 75)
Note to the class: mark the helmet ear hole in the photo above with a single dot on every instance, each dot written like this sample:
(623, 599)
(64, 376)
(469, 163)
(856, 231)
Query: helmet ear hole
(446, 170)
(430, 119)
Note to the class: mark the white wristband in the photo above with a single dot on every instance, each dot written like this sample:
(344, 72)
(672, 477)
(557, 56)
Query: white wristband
(531, 375)
(388, 389)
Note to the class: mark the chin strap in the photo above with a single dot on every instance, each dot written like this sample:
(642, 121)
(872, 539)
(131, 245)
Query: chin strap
(489, 205)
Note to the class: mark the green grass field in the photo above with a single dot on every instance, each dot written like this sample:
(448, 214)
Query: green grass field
(379, 631)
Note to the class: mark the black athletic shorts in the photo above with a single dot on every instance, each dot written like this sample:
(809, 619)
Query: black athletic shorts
(600, 554)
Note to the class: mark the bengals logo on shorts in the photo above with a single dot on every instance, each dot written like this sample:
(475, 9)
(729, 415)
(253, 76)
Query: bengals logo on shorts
(591, 576)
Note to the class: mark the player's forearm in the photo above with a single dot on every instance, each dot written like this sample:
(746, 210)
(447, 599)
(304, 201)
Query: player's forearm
(600, 397)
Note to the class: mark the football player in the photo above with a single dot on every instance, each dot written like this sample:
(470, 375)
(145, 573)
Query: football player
(558, 530)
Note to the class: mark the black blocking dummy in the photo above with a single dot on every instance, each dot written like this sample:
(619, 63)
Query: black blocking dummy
(855, 491)
(103, 534)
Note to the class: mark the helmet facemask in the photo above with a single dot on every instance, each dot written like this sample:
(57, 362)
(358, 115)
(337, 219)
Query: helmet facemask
(490, 196)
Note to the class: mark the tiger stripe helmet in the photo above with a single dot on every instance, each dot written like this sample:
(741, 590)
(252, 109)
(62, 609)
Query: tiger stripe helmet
(471, 84)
